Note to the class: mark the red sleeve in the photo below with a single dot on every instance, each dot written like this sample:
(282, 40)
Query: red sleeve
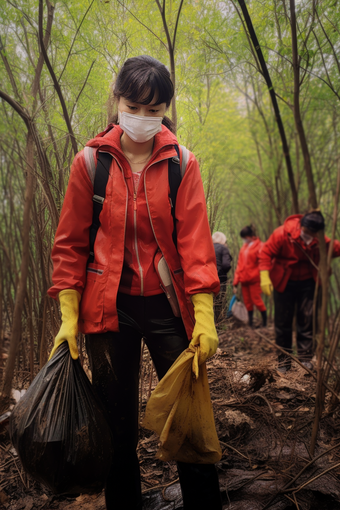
(258, 253)
(271, 249)
(194, 243)
(71, 244)
(336, 247)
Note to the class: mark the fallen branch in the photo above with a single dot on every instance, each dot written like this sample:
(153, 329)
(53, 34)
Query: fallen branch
(316, 477)
(232, 448)
(156, 487)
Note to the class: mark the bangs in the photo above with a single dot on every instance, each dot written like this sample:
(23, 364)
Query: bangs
(144, 80)
(148, 89)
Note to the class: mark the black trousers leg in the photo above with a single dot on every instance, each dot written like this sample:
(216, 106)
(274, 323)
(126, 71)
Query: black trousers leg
(250, 318)
(200, 486)
(199, 482)
(305, 298)
(284, 314)
(114, 362)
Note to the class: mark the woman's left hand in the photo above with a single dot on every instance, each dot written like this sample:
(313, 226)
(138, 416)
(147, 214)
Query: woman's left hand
(204, 334)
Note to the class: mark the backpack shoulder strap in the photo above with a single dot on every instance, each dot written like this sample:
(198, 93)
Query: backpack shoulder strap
(185, 159)
(176, 171)
(100, 176)
(89, 162)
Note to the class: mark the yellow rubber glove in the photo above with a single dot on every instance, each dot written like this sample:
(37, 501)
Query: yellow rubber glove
(266, 283)
(204, 333)
(69, 306)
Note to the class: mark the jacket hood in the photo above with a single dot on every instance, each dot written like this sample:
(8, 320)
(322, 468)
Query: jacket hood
(292, 225)
(110, 139)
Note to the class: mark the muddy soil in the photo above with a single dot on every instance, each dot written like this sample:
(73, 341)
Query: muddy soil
(264, 422)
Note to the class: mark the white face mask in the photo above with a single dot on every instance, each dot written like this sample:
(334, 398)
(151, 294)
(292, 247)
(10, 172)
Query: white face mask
(247, 240)
(139, 128)
(305, 237)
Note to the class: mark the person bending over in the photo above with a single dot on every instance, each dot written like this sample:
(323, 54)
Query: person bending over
(289, 264)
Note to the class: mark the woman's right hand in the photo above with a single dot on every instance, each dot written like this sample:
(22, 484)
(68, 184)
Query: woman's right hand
(235, 289)
(69, 306)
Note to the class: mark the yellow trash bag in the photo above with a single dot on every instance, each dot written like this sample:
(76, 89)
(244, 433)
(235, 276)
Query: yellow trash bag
(180, 412)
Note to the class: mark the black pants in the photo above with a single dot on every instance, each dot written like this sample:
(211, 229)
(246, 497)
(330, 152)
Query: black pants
(114, 362)
(299, 294)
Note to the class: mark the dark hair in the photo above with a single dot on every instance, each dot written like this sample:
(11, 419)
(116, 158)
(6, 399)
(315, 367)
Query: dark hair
(247, 232)
(142, 79)
(314, 221)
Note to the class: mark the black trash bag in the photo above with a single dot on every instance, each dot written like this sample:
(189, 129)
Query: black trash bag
(60, 431)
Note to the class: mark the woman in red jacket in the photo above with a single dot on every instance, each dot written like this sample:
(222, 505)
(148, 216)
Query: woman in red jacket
(122, 298)
(248, 274)
(289, 264)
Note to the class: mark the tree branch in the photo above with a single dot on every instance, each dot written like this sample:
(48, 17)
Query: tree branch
(81, 90)
(74, 40)
(145, 26)
(16, 106)
(176, 25)
(54, 79)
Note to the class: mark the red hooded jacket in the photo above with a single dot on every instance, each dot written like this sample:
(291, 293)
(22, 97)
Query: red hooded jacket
(285, 254)
(192, 265)
(247, 270)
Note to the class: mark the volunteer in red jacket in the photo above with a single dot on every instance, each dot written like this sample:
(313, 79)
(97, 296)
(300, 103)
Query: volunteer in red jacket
(289, 264)
(116, 292)
(248, 274)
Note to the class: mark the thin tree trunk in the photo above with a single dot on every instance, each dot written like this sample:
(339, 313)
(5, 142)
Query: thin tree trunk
(21, 287)
(1, 315)
(31, 332)
(323, 268)
(278, 119)
(297, 112)
(173, 79)
(171, 50)
(31, 140)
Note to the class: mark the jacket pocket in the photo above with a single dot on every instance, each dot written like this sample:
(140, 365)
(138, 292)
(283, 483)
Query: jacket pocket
(94, 272)
(164, 276)
(92, 301)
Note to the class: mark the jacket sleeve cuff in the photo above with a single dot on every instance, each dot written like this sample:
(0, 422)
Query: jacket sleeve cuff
(265, 266)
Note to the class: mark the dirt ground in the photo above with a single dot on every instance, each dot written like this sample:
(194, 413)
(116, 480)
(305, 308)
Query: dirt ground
(264, 422)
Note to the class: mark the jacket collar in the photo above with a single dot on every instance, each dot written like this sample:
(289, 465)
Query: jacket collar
(109, 141)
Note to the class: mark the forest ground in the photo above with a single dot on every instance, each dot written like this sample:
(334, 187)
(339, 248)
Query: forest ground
(264, 423)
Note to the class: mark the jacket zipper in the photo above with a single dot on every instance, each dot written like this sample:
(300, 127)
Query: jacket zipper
(136, 243)
(135, 218)
(135, 229)
(147, 204)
